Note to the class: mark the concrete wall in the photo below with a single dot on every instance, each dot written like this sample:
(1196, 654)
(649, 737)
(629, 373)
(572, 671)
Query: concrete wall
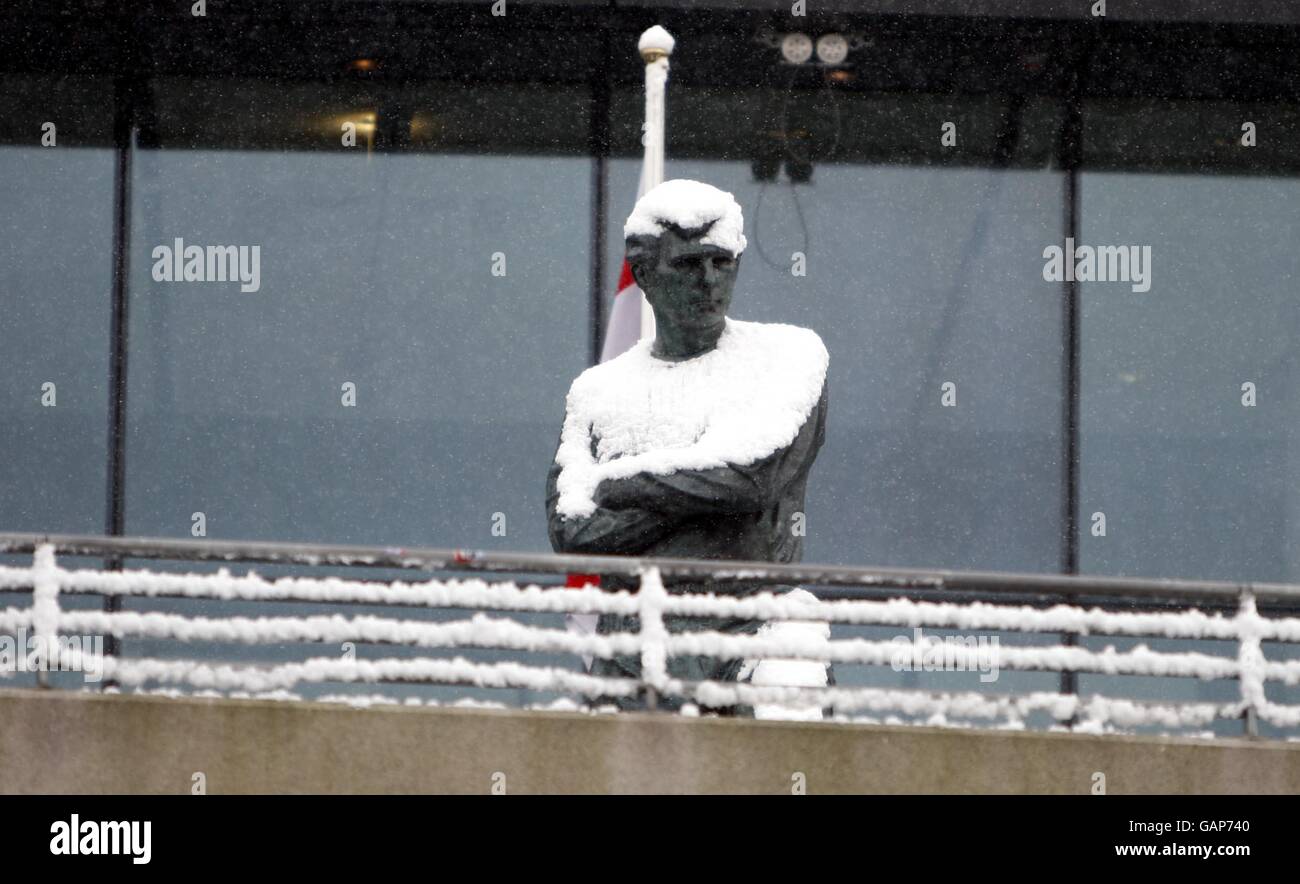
(63, 742)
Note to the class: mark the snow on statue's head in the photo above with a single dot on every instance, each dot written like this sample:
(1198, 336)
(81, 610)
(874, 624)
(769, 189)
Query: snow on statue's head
(684, 240)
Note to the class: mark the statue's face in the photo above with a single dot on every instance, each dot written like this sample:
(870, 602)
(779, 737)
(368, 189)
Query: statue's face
(691, 284)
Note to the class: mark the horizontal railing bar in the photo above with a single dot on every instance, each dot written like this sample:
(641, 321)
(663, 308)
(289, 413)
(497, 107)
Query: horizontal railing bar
(745, 573)
(843, 696)
(826, 594)
(1114, 604)
(936, 622)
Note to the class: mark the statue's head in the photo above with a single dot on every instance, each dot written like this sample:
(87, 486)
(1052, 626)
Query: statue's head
(684, 241)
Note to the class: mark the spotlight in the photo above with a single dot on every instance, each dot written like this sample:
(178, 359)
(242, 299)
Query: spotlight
(832, 49)
(796, 48)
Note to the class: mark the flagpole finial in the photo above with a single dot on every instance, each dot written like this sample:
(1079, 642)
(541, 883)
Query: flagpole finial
(655, 43)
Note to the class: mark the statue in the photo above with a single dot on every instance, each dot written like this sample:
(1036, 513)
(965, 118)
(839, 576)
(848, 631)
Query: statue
(698, 443)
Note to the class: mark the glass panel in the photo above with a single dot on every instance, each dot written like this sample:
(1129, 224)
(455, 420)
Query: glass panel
(434, 283)
(1193, 480)
(56, 283)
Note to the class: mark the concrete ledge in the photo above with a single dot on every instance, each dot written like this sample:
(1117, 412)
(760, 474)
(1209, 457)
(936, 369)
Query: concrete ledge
(65, 742)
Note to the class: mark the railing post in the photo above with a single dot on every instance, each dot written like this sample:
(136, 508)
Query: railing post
(1250, 663)
(45, 609)
(654, 636)
(1069, 682)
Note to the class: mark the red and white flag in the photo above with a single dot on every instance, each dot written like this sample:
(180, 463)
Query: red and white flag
(628, 317)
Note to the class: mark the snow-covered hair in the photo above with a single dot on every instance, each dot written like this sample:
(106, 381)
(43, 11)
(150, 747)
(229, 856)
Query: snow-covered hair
(690, 208)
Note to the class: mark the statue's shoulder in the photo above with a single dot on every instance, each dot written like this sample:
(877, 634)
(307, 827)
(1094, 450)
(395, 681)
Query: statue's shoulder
(607, 373)
(786, 344)
(779, 332)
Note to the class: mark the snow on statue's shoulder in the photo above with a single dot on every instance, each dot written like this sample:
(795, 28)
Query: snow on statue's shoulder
(736, 404)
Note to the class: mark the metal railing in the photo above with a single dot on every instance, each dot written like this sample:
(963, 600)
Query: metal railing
(988, 603)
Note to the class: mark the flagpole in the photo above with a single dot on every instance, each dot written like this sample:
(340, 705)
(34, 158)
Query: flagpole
(655, 46)
(631, 320)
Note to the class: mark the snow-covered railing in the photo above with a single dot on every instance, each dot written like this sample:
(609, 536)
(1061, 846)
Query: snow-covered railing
(783, 660)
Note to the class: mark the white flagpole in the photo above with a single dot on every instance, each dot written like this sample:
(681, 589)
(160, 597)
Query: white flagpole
(655, 45)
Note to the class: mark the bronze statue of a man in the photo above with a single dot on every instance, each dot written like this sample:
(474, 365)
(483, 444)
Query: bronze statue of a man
(696, 443)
